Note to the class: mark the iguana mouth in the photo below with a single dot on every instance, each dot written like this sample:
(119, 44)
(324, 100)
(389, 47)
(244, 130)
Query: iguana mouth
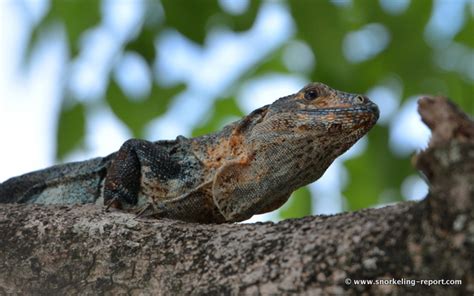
(371, 109)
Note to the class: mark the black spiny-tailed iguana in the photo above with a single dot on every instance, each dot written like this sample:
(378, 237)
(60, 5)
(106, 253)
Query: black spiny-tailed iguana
(249, 167)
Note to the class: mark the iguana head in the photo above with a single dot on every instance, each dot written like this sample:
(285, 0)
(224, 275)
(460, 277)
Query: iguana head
(258, 161)
(312, 127)
(318, 110)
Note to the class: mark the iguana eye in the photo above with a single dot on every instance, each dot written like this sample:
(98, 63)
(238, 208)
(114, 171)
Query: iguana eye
(359, 99)
(311, 94)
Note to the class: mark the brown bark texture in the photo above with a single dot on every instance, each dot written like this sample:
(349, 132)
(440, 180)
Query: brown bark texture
(68, 250)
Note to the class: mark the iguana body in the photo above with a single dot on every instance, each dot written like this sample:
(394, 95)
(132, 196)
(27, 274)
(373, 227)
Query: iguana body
(249, 167)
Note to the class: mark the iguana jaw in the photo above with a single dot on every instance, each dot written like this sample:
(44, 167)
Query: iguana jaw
(370, 111)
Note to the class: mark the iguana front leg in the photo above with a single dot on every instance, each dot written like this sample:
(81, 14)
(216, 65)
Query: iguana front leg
(137, 163)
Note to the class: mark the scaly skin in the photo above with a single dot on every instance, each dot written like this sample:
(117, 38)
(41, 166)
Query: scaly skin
(249, 167)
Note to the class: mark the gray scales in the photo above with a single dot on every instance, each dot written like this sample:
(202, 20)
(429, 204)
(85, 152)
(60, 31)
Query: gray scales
(249, 167)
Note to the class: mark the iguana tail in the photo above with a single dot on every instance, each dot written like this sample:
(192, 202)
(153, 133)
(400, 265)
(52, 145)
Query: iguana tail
(70, 183)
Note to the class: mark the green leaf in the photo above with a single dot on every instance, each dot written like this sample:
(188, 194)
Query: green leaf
(245, 20)
(222, 109)
(77, 16)
(273, 63)
(298, 205)
(322, 25)
(190, 18)
(375, 171)
(70, 133)
(458, 90)
(194, 18)
(136, 114)
(466, 33)
(144, 45)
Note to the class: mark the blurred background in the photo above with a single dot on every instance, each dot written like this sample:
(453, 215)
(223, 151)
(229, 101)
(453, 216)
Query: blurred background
(78, 78)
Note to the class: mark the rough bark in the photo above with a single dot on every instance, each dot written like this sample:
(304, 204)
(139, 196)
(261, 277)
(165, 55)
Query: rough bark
(85, 250)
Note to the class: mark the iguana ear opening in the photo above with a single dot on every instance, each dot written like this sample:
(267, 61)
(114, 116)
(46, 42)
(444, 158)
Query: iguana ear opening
(252, 119)
(230, 193)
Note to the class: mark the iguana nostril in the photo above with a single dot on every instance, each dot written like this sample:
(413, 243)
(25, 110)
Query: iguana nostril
(335, 127)
(376, 111)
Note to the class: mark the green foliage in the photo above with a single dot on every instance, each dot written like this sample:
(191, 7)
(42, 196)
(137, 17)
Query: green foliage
(323, 26)
(299, 205)
(195, 18)
(181, 13)
(374, 176)
(137, 113)
(144, 45)
(378, 171)
(467, 31)
(76, 15)
(71, 129)
(222, 110)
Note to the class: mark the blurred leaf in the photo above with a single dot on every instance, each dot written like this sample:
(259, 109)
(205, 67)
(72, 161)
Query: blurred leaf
(322, 25)
(70, 133)
(298, 205)
(408, 55)
(77, 16)
(245, 20)
(375, 171)
(136, 114)
(194, 18)
(36, 35)
(466, 34)
(144, 44)
(222, 109)
(460, 91)
(190, 17)
(273, 63)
